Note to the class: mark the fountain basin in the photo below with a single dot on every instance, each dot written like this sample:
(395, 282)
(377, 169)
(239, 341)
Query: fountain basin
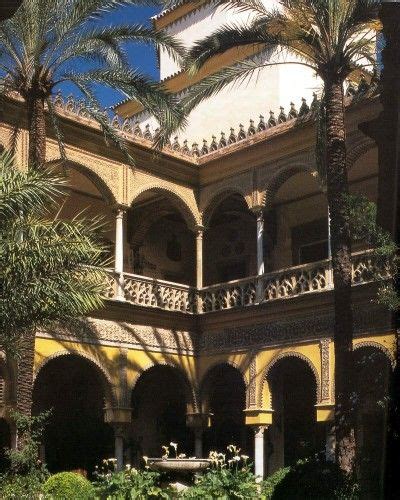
(179, 464)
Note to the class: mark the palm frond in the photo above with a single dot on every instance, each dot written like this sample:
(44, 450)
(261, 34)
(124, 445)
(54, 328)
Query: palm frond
(31, 191)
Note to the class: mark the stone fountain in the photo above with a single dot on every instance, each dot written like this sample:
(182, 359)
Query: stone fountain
(180, 467)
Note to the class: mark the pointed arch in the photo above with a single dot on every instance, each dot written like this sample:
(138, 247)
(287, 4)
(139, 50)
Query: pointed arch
(280, 177)
(264, 395)
(188, 212)
(99, 182)
(109, 392)
(190, 393)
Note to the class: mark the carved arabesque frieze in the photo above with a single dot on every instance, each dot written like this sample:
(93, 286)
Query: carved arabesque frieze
(141, 337)
(325, 369)
(308, 326)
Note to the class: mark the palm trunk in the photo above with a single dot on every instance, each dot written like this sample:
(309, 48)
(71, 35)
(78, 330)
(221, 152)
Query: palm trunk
(26, 355)
(337, 188)
(37, 131)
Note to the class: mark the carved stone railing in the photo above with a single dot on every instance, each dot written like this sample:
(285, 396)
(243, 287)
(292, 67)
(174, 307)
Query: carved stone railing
(283, 284)
(150, 292)
(286, 283)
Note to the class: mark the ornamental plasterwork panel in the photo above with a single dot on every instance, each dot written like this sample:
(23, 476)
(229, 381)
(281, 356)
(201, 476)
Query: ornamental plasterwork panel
(142, 181)
(325, 369)
(141, 337)
(252, 385)
(108, 171)
(299, 328)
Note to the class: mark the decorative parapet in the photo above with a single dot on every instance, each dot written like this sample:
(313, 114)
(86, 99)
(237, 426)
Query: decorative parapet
(131, 130)
(283, 284)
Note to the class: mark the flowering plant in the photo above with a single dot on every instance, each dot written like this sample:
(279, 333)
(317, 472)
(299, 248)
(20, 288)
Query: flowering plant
(230, 477)
(127, 484)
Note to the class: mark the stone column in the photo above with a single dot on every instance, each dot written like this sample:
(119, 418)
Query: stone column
(119, 254)
(259, 451)
(199, 256)
(198, 442)
(199, 422)
(199, 264)
(260, 242)
(119, 449)
(330, 444)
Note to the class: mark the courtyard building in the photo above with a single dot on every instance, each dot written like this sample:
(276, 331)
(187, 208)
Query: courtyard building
(218, 321)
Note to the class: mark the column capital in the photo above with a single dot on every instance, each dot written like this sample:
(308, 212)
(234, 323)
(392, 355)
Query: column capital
(117, 415)
(199, 230)
(258, 210)
(120, 210)
(259, 430)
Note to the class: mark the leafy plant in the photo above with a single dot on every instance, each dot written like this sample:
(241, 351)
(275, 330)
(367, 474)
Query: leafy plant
(230, 477)
(361, 214)
(68, 485)
(128, 484)
(25, 460)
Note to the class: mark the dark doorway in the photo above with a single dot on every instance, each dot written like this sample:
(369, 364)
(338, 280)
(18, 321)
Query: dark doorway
(76, 436)
(159, 402)
(224, 396)
(294, 434)
(372, 369)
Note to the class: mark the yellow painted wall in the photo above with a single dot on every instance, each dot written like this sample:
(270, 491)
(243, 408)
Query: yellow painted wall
(138, 361)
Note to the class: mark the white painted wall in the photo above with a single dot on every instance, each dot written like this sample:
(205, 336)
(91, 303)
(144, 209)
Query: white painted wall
(267, 90)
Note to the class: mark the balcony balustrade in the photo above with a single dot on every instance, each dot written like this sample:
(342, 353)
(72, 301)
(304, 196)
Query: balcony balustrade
(282, 284)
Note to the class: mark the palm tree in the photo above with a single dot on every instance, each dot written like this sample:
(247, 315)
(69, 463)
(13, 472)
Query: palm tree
(336, 40)
(51, 269)
(47, 43)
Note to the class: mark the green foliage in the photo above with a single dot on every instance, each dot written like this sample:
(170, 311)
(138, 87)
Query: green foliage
(16, 487)
(309, 479)
(128, 484)
(26, 475)
(227, 479)
(25, 460)
(50, 269)
(68, 486)
(361, 214)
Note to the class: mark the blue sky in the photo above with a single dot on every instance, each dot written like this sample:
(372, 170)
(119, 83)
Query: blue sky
(140, 56)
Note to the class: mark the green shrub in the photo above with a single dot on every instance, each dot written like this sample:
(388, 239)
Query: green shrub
(68, 486)
(308, 479)
(268, 486)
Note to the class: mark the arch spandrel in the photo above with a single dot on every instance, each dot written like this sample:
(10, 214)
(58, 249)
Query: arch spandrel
(107, 174)
(264, 396)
